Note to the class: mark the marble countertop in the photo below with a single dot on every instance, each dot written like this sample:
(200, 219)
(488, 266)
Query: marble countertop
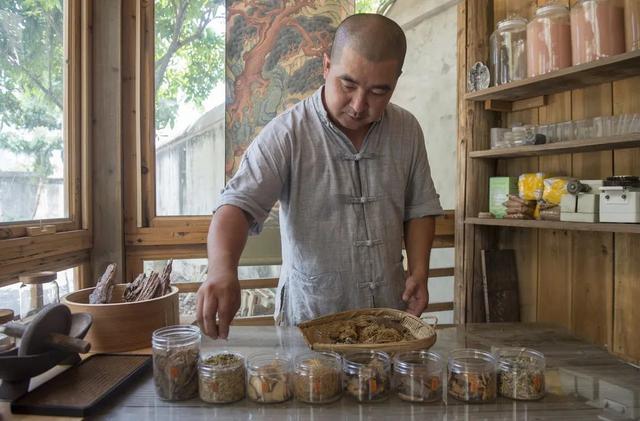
(584, 382)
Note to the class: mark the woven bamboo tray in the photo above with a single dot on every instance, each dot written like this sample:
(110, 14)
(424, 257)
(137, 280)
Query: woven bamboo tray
(318, 339)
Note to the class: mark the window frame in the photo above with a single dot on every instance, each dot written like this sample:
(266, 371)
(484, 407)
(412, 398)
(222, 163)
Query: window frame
(74, 80)
(71, 244)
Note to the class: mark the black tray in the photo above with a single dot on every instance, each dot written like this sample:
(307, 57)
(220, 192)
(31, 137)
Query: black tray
(83, 388)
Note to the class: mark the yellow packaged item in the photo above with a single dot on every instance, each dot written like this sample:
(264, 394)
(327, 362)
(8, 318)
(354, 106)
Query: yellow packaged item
(554, 188)
(531, 186)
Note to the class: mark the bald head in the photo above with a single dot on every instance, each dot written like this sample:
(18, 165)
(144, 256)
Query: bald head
(375, 37)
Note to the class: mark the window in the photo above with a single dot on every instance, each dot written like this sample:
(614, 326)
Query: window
(33, 151)
(189, 105)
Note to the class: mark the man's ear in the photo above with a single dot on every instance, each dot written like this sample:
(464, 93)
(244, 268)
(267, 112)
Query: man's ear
(326, 64)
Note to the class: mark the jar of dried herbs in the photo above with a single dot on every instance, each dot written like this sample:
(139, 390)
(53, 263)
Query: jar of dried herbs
(521, 373)
(317, 377)
(368, 375)
(268, 378)
(417, 376)
(471, 376)
(221, 377)
(175, 362)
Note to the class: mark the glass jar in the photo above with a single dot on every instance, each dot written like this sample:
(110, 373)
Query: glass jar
(597, 30)
(368, 375)
(221, 377)
(508, 51)
(268, 378)
(417, 376)
(36, 291)
(175, 361)
(317, 377)
(471, 375)
(521, 373)
(632, 24)
(548, 40)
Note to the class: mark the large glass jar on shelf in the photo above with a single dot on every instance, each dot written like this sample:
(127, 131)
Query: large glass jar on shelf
(597, 30)
(36, 291)
(548, 40)
(508, 51)
(632, 24)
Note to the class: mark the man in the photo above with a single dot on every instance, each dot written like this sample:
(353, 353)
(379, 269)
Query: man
(352, 176)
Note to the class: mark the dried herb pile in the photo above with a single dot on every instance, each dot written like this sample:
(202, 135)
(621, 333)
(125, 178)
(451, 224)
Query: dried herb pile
(175, 372)
(222, 378)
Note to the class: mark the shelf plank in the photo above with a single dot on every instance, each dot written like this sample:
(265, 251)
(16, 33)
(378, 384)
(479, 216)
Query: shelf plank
(604, 70)
(572, 146)
(556, 225)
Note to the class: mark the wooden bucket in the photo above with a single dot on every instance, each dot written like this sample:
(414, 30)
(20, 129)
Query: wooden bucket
(121, 326)
(317, 338)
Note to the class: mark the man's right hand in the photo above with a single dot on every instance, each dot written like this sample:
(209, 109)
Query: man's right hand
(219, 294)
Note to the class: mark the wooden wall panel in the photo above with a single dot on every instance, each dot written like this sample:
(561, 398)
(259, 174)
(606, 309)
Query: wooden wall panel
(626, 340)
(592, 253)
(554, 247)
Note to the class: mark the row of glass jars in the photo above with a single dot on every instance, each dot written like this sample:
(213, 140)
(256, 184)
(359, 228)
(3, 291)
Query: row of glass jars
(557, 38)
(321, 377)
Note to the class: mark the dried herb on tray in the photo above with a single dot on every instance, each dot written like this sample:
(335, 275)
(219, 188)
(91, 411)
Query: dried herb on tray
(175, 372)
(367, 329)
(222, 378)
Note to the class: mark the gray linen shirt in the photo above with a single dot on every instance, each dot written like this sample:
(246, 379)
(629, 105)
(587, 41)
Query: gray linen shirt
(342, 211)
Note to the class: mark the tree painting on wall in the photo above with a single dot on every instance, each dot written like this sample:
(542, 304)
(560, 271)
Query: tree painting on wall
(274, 59)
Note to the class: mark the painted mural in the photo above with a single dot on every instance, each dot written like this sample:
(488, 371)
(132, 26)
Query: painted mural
(274, 59)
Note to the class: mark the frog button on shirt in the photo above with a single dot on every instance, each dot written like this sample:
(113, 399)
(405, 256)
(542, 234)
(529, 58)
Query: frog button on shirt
(341, 210)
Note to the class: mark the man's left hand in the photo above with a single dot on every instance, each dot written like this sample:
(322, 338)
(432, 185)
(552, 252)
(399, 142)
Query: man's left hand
(416, 295)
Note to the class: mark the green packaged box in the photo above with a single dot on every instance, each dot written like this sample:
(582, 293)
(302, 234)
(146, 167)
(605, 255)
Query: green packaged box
(499, 190)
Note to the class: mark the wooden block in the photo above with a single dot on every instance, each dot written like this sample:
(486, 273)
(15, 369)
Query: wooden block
(500, 281)
(41, 230)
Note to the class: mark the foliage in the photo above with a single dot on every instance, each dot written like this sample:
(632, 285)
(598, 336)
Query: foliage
(369, 6)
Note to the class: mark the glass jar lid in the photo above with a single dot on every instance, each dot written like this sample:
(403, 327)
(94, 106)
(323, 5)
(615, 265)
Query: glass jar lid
(552, 9)
(471, 359)
(221, 361)
(515, 359)
(177, 335)
(515, 22)
(314, 362)
(407, 362)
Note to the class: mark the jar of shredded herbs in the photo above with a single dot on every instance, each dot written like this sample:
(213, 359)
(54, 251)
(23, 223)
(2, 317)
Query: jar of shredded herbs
(417, 376)
(521, 373)
(175, 362)
(268, 378)
(367, 375)
(222, 377)
(471, 376)
(317, 377)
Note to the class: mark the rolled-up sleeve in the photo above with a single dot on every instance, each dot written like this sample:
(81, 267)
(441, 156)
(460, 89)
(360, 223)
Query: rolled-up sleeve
(257, 184)
(421, 196)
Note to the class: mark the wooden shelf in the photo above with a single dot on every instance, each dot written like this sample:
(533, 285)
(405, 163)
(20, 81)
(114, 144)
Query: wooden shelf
(604, 70)
(556, 225)
(572, 146)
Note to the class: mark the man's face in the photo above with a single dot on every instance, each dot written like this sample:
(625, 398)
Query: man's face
(357, 90)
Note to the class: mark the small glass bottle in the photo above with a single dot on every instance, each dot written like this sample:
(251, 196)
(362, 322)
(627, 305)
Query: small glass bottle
(268, 378)
(548, 40)
(417, 376)
(222, 377)
(175, 361)
(317, 377)
(36, 291)
(521, 373)
(368, 375)
(508, 51)
(632, 24)
(471, 376)
(597, 30)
